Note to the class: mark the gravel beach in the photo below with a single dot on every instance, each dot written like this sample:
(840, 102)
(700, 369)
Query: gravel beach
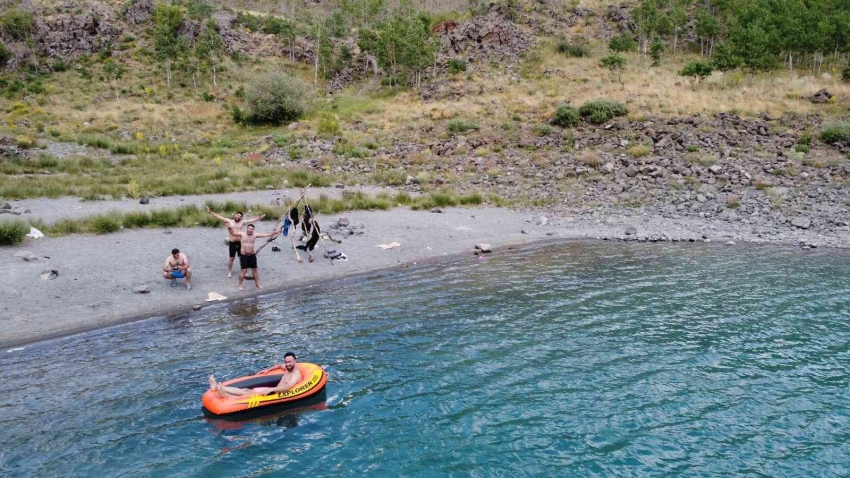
(98, 273)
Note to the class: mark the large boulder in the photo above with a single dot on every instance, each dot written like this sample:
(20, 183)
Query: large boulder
(66, 36)
(139, 11)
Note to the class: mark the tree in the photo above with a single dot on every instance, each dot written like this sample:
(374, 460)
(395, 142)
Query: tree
(678, 20)
(707, 28)
(696, 72)
(209, 48)
(168, 45)
(615, 63)
(656, 50)
(725, 60)
(622, 43)
(112, 71)
(753, 46)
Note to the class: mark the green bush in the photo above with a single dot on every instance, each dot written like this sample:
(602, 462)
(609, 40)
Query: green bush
(836, 132)
(105, 223)
(16, 23)
(845, 73)
(600, 111)
(566, 117)
(696, 71)
(456, 65)
(275, 98)
(575, 49)
(460, 125)
(802, 148)
(543, 130)
(622, 43)
(12, 232)
(329, 126)
(5, 54)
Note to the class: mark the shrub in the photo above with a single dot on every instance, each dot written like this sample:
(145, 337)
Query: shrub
(543, 130)
(806, 139)
(461, 126)
(329, 126)
(25, 142)
(16, 23)
(576, 49)
(622, 43)
(639, 150)
(600, 111)
(845, 73)
(105, 223)
(12, 232)
(696, 71)
(275, 98)
(613, 62)
(207, 97)
(5, 54)
(456, 65)
(836, 132)
(802, 148)
(566, 117)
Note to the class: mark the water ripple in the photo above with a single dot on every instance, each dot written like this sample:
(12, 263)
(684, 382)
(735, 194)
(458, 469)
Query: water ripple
(582, 359)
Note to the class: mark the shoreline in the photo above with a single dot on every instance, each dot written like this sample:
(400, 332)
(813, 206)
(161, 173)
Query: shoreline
(88, 299)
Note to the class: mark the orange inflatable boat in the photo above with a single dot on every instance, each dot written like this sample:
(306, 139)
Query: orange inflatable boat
(313, 380)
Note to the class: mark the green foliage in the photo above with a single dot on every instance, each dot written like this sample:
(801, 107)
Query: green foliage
(696, 71)
(724, 58)
(614, 62)
(622, 43)
(802, 148)
(459, 125)
(836, 132)
(656, 50)
(5, 54)
(575, 49)
(275, 98)
(168, 45)
(329, 126)
(566, 117)
(456, 65)
(543, 130)
(600, 111)
(209, 48)
(12, 232)
(402, 43)
(16, 24)
(198, 11)
(845, 73)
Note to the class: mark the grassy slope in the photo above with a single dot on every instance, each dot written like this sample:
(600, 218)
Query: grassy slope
(186, 145)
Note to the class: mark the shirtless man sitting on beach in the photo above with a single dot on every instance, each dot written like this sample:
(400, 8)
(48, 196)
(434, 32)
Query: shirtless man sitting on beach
(177, 267)
(247, 257)
(235, 224)
(291, 376)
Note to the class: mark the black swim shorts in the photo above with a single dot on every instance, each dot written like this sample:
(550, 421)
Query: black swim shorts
(248, 261)
(234, 248)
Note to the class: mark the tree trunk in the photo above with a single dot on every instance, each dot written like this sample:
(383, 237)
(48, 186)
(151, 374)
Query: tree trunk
(213, 67)
(168, 72)
(316, 72)
(675, 39)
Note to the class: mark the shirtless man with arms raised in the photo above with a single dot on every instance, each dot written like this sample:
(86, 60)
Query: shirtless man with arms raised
(235, 224)
(291, 376)
(177, 267)
(247, 257)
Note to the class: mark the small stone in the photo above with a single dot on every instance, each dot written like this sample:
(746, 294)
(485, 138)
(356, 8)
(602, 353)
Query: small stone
(49, 274)
(26, 256)
(196, 307)
(166, 232)
(437, 210)
(542, 221)
(631, 230)
(524, 231)
(715, 169)
(6, 206)
(343, 222)
(552, 233)
(801, 222)
(483, 248)
(27, 211)
(142, 289)
(730, 243)
(339, 186)
(144, 200)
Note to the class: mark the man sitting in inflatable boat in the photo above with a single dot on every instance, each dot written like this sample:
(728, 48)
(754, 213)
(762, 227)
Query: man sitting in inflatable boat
(291, 376)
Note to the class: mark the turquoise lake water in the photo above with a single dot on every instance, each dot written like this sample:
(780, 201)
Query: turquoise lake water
(584, 359)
